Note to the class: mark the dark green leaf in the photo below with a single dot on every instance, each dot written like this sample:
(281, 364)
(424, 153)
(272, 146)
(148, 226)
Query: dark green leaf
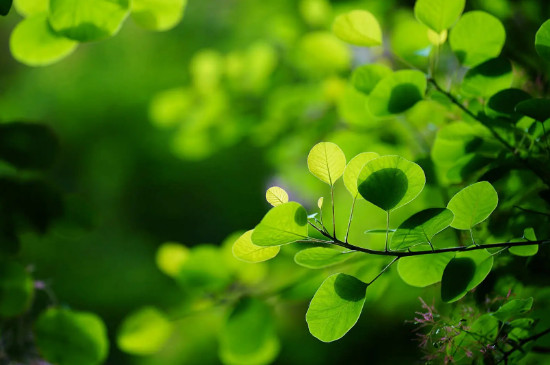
(421, 228)
(542, 40)
(397, 92)
(5, 6)
(16, 289)
(513, 308)
(27, 146)
(464, 272)
(538, 109)
(503, 104)
(488, 78)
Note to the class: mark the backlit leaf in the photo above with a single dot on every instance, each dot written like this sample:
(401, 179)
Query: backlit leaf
(171, 257)
(464, 272)
(144, 332)
(33, 43)
(438, 15)
(542, 40)
(364, 78)
(358, 27)
(320, 202)
(472, 205)
(390, 182)
(327, 162)
(283, 224)
(477, 37)
(421, 228)
(423, 270)
(320, 257)
(276, 196)
(336, 307)
(30, 7)
(528, 235)
(409, 40)
(244, 249)
(397, 92)
(87, 20)
(488, 78)
(353, 168)
(159, 15)
(67, 337)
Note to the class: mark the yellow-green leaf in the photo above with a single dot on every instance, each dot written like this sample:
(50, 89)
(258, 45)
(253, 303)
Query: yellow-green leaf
(276, 196)
(245, 250)
(159, 15)
(327, 162)
(358, 27)
(352, 170)
(144, 332)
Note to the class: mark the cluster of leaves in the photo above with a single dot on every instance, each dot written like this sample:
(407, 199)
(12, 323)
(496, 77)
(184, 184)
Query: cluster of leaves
(502, 333)
(52, 29)
(32, 325)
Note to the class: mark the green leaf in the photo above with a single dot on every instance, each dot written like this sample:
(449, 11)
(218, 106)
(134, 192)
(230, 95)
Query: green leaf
(528, 235)
(321, 257)
(66, 337)
(88, 20)
(513, 308)
(171, 257)
(5, 6)
(27, 8)
(336, 307)
(248, 335)
(144, 332)
(276, 196)
(538, 109)
(364, 78)
(409, 40)
(327, 162)
(390, 182)
(476, 38)
(503, 104)
(542, 40)
(438, 15)
(27, 146)
(204, 269)
(285, 223)
(245, 250)
(421, 271)
(421, 228)
(354, 167)
(16, 289)
(473, 204)
(397, 92)
(488, 78)
(159, 15)
(464, 272)
(358, 27)
(33, 43)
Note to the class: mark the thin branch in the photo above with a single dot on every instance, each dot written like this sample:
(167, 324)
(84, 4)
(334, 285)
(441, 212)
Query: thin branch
(333, 216)
(387, 229)
(531, 211)
(383, 270)
(350, 218)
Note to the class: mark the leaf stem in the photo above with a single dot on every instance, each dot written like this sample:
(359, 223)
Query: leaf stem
(383, 270)
(350, 218)
(387, 229)
(333, 216)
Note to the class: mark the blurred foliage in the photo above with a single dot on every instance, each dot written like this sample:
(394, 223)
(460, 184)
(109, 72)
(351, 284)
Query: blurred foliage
(122, 157)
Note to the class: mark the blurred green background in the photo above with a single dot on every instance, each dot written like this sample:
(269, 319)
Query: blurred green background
(175, 136)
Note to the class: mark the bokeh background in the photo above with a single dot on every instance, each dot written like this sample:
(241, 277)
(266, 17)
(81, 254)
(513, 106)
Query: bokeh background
(174, 137)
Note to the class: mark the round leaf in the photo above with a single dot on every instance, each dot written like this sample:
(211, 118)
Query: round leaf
(245, 250)
(87, 20)
(397, 92)
(67, 337)
(390, 182)
(285, 223)
(144, 332)
(364, 78)
(320, 257)
(542, 40)
(358, 27)
(488, 78)
(513, 308)
(159, 15)
(477, 37)
(327, 162)
(354, 167)
(472, 205)
(438, 15)
(409, 40)
(421, 228)
(171, 257)
(528, 235)
(503, 103)
(30, 7)
(16, 289)
(538, 109)
(248, 335)
(421, 271)
(336, 307)
(276, 196)
(464, 272)
(33, 43)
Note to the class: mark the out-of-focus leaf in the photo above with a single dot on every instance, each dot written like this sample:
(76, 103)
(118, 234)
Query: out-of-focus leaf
(397, 92)
(327, 162)
(33, 43)
(144, 332)
(336, 307)
(390, 182)
(27, 146)
(244, 249)
(171, 257)
(320, 257)
(473, 204)
(409, 40)
(542, 40)
(27, 8)
(488, 78)
(67, 337)
(159, 15)
(285, 223)
(16, 288)
(476, 38)
(204, 269)
(364, 78)
(503, 104)
(538, 109)
(513, 308)
(358, 27)
(5, 6)
(438, 15)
